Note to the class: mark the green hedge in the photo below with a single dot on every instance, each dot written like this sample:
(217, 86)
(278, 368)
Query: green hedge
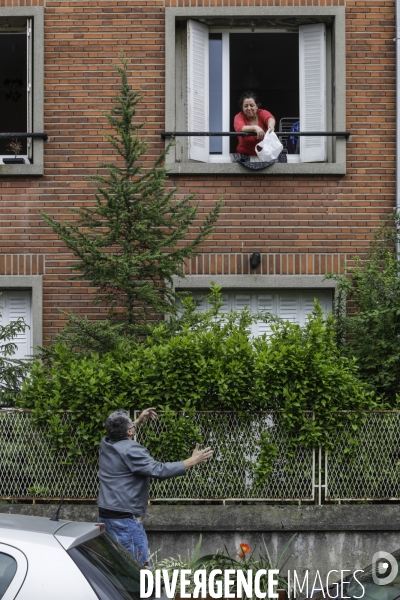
(209, 362)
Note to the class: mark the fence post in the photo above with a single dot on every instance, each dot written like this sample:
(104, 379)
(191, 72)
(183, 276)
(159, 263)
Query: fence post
(326, 473)
(319, 476)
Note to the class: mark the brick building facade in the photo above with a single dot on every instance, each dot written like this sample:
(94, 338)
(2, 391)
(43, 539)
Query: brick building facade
(304, 219)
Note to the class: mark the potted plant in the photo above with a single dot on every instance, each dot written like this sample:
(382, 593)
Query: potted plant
(15, 146)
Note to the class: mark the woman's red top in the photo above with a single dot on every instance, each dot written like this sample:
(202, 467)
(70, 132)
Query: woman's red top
(247, 144)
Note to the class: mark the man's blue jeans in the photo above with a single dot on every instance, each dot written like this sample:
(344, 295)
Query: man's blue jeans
(131, 534)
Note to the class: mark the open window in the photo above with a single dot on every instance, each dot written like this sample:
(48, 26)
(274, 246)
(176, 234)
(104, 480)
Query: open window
(293, 59)
(285, 68)
(16, 84)
(21, 90)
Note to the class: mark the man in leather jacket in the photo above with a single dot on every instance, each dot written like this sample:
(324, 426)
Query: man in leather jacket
(125, 469)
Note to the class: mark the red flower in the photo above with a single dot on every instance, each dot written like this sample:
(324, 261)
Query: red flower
(240, 555)
(245, 548)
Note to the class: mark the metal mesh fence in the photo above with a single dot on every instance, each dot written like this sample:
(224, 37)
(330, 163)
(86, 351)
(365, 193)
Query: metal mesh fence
(29, 468)
(235, 439)
(371, 470)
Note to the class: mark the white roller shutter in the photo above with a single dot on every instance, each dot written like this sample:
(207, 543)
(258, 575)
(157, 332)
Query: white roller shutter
(15, 304)
(198, 94)
(312, 67)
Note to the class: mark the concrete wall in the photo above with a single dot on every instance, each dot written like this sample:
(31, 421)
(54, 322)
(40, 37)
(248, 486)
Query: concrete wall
(329, 537)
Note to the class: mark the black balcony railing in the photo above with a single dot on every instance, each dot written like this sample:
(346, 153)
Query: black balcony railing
(168, 134)
(9, 135)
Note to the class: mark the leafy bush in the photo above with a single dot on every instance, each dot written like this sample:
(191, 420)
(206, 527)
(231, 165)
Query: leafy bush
(300, 369)
(204, 362)
(370, 329)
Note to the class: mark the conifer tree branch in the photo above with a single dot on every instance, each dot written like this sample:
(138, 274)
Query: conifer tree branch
(134, 239)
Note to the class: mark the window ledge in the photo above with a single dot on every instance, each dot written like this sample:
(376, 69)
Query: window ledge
(193, 168)
(18, 170)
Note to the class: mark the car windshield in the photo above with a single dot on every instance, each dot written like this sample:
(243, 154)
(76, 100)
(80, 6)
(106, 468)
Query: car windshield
(374, 591)
(111, 570)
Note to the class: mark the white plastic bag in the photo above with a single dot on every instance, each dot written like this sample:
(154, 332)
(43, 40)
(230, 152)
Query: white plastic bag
(270, 147)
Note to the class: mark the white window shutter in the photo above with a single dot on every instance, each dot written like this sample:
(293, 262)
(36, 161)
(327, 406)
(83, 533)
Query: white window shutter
(15, 305)
(308, 303)
(241, 301)
(312, 67)
(29, 84)
(288, 307)
(323, 297)
(265, 303)
(198, 95)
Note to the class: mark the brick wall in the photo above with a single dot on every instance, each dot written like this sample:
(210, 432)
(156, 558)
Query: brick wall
(299, 224)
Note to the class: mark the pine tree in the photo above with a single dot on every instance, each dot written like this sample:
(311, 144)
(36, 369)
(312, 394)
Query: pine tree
(134, 239)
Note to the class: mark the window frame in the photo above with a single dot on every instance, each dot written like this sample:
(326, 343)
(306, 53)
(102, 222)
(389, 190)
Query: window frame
(277, 297)
(34, 284)
(175, 62)
(273, 284)
(36, 13)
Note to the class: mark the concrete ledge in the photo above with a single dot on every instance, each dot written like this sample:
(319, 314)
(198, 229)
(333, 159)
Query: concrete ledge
(251, 518)
(18, 170)
(197, 168)
(254, 281)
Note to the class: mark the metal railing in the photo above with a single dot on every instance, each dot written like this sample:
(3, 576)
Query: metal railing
(42, 136)
(30, 469)
(169, 134)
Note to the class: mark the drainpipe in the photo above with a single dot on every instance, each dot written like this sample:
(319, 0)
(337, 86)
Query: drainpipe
(397, 40)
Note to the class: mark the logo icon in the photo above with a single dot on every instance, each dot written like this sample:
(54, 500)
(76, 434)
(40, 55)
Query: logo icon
(384, 568)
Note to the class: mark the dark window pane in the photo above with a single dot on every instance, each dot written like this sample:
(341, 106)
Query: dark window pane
(111, 570)
(8, 568)
(13, 83)
(267, 64)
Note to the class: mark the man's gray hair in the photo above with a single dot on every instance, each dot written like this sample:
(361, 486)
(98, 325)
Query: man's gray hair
(117, 425)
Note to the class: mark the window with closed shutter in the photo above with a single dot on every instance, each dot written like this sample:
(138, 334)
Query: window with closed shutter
(15, 305)
(291, 305)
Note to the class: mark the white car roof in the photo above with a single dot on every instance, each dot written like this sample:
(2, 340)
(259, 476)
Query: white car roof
(68, 533)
